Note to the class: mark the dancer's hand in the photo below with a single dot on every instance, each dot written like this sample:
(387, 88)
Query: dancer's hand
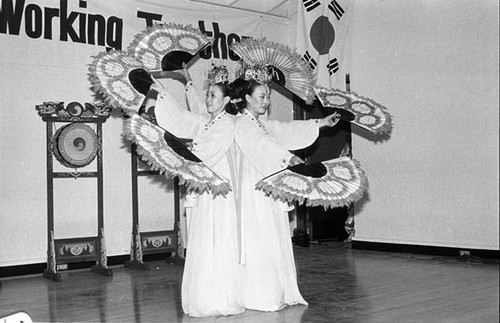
(186, 72)
(158, 87)
(330, 121)
(295, 160)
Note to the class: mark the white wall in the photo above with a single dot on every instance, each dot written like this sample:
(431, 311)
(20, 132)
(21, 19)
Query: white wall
(434, 64)
(35, 70)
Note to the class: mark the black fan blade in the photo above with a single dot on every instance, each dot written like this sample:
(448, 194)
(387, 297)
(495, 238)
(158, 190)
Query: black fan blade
(177, 146)
(313, 170)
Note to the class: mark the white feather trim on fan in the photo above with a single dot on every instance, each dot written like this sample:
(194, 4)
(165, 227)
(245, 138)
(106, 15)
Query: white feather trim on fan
(153, 148)
(153, 43)
(109, 75)
(369, 114)
(343, 183)
(299, 78)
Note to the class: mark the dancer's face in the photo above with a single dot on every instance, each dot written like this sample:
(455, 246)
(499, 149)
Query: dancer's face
(258, 101)
(215, 100)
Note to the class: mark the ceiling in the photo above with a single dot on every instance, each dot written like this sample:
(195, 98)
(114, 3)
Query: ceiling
(279, 8)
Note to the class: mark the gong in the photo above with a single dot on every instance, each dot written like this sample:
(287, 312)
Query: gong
(75, 145)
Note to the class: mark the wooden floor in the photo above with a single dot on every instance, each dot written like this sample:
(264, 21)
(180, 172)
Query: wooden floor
(341, 285)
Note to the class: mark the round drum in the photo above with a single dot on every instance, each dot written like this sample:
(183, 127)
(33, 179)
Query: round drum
(75, 145)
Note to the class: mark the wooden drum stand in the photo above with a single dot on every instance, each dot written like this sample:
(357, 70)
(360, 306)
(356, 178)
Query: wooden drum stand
(74, 145)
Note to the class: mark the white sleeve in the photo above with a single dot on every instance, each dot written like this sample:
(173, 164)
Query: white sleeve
(171, 116)
(263, 152)
(295, 134)
(195, 99)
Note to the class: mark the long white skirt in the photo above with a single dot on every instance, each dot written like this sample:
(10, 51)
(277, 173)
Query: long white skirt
(270, 279)
(212, 280)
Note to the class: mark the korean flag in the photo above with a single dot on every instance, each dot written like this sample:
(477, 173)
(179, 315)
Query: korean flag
(321, 38)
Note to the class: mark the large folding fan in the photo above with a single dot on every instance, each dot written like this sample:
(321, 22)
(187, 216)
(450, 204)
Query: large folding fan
(361, 111)
(166, 153)
(333, 183)
(288, 68)
(122, 79)
(165, 47)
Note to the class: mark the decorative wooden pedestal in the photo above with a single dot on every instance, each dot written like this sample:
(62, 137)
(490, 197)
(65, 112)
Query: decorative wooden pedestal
(153, 242)
(74, 145)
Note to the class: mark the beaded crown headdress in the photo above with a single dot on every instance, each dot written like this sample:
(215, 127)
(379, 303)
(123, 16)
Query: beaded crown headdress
(287, 66)
(218, 74)
(258, 72)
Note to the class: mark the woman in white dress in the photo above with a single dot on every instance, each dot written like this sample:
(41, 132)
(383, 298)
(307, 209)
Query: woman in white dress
(211, 283)
(270, 280)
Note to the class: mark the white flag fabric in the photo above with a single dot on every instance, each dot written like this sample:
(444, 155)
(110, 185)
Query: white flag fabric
(321, 38)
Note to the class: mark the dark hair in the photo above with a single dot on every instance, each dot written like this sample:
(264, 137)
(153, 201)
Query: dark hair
(227, 90)
(241, 88)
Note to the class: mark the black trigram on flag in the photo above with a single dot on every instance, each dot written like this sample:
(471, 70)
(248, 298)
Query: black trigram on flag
(310, 4)
(336, 9)
(333, 66)
(312, 63)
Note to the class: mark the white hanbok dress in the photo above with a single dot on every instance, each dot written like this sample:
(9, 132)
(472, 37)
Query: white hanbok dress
(212, 279)
(270, 280)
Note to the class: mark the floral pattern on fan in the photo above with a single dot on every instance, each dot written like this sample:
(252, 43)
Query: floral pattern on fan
(333, 183)
(109, 75)
(152, 44)
(368, 114)
(154, 149)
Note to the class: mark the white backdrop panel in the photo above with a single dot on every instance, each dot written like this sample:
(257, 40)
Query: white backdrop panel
(46, 48)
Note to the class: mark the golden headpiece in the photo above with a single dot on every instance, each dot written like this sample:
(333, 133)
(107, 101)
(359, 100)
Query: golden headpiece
(258, 72)
(218, 74)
